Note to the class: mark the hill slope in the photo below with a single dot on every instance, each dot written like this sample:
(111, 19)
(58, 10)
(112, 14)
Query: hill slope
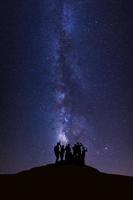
(65, 181)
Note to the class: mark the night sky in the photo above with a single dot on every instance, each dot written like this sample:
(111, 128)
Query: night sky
(66, 74)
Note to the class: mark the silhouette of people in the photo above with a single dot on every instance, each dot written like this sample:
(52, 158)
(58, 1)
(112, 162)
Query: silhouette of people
(62, 152)
(76, 156)
(77, 152)
(57, 151)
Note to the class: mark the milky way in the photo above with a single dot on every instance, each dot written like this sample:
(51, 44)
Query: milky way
(70, 126)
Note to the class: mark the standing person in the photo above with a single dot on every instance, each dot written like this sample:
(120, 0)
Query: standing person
(78, 146)
(57, 151)
(74, 152)
(68, 153)
(84, 150)
(62, 152)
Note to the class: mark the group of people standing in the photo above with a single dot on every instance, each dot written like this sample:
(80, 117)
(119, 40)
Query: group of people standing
(75, 154)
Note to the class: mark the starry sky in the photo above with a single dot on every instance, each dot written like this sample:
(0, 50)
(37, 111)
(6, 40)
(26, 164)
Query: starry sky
(66, 74)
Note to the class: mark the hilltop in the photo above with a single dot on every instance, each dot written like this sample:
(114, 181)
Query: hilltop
(65, 181)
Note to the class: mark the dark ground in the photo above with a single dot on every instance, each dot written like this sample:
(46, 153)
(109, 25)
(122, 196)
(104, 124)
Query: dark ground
(61, 181)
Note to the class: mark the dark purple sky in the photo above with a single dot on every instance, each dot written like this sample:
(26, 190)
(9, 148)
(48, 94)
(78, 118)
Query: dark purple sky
(66, 74)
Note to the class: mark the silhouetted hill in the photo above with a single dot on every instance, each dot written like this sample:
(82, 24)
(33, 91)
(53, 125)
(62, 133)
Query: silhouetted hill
(56, 181)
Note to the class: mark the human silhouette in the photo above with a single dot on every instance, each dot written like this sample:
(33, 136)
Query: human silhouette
(77, 152)
(84, 150)
(74, 151)
(78, 146)
(62, 152)
(57, 151)
(68, 154)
